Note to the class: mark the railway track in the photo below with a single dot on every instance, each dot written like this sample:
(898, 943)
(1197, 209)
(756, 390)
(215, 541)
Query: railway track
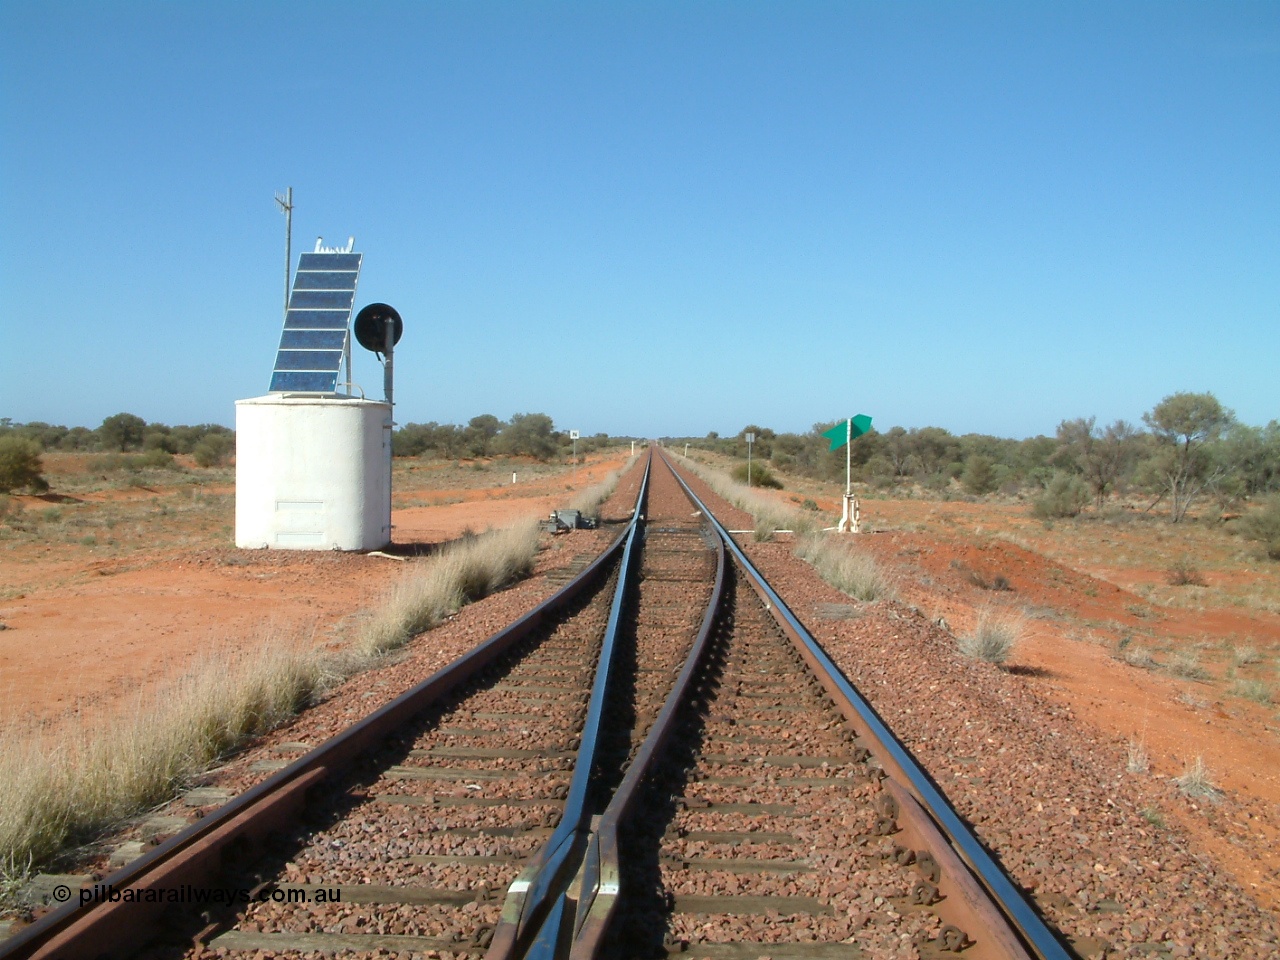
(657, 761)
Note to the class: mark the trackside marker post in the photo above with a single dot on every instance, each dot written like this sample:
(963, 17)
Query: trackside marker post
(842, 435)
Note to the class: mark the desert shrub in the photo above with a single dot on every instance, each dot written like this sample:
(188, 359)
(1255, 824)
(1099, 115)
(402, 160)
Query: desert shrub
(1138, 656)
(979, 579)
(1186, 664)
(528, 434)
(761, 476)
(159, 437)
(1264, 526)
(20, 466)
(1259, 691)
(214, 449)
(1185, 574)
(1065, 496)
(154, 459)
(994, 636)
(1243, 656)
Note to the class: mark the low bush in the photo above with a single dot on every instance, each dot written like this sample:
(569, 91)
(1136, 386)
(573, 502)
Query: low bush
(20, 466)
(214, 449)
(1065, 496)
(154, 459)
(1264, 526)
(1137, 760)
(1186, 664)
(761, 476)
(1138, 656)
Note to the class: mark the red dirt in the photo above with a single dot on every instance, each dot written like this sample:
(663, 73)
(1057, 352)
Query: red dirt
(95, 633)
(1066, 654)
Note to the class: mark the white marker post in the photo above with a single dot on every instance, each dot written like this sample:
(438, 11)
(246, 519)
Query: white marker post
(573, 435)
(751, 438)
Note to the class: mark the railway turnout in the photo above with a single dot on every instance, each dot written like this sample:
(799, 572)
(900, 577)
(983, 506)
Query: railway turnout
(659, 760)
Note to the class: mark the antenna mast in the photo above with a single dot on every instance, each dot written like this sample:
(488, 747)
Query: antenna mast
(286, 205)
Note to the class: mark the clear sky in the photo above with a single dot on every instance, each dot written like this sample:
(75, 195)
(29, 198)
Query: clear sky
(650, 217)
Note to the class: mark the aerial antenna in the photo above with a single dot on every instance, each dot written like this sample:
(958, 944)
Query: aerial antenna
(286, 205)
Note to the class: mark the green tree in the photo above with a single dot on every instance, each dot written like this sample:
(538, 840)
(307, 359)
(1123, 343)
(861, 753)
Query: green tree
(480, 433)
(1183, 423)
(1252, 456)
(1100, 456)
(528, 433)
(123, 431)
(20, 465)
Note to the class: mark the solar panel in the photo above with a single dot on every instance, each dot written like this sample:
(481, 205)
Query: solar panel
(314, 339)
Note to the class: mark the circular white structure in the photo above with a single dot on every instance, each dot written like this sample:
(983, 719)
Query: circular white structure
(313, 473)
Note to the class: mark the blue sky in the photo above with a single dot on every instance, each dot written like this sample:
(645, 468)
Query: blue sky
(651, 218)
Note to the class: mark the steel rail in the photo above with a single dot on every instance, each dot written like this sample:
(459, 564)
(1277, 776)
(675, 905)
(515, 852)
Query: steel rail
(1010, 900)
(535, 899)
(92, 931)
(598, 887)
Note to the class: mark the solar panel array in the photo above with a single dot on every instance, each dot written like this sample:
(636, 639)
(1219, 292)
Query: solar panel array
(316, 323)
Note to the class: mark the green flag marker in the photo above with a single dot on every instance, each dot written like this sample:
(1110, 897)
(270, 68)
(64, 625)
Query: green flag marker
(839, 435)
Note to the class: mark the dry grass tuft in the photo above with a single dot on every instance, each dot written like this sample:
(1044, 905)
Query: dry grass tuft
(836, 559)
(589, 501)
(1244, 656)
(1185, 574)
(1196, 782)
(1137, 760)
(61, 789)
(1259, 691)
(1186, 664)
(770, 515)
(845, 567)
(994, 636)
(1137, 656)
(465, 570)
